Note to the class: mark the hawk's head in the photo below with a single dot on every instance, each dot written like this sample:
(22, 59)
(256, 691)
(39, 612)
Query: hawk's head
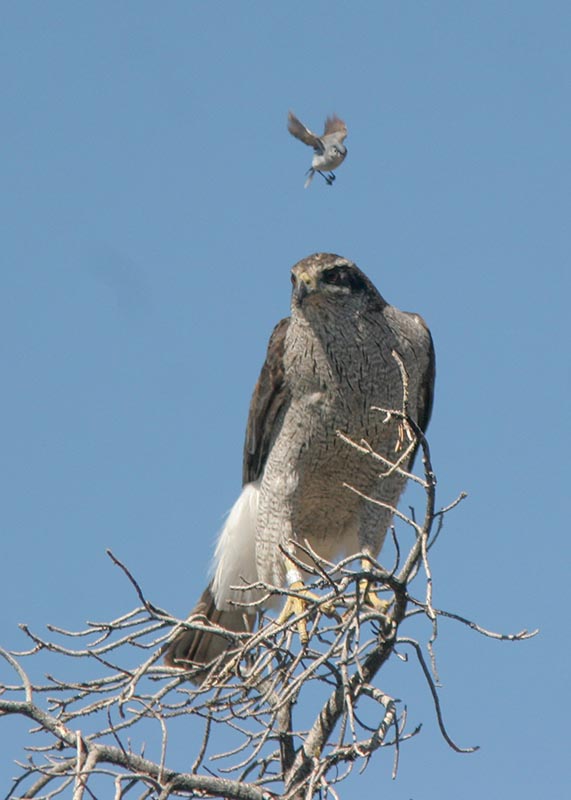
(325, 280)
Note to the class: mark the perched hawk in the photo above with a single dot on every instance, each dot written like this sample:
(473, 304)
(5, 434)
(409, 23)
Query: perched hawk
(326, 366)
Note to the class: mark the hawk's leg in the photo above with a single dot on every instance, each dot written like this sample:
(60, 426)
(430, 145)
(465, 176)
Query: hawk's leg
(368, 596)
(295, 606)
(298, 605)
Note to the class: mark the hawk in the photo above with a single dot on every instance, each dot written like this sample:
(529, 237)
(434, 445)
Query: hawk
(327, 365)
(329, 149)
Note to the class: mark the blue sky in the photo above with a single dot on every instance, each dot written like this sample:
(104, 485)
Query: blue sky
(152, 204)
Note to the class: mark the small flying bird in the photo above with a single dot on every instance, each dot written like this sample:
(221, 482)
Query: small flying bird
(329, 148)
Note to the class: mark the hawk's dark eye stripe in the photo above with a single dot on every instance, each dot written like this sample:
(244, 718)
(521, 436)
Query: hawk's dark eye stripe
(341, 276)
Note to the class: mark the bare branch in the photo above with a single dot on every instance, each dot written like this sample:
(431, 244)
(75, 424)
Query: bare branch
(297, 717)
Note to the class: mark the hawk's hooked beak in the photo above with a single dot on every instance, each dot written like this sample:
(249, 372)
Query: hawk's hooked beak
(304, 284)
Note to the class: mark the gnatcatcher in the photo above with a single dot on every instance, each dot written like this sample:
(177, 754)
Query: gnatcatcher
(329, 148)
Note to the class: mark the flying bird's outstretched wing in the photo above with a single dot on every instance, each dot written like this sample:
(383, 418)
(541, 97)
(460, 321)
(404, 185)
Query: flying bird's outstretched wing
(335, 125)
(297, 129)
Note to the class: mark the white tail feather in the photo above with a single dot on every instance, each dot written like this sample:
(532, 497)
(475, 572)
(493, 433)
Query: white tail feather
(235, 556)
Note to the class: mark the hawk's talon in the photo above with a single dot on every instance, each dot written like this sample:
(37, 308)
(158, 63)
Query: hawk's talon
(370, 598)
(295, 606)
(298, 605)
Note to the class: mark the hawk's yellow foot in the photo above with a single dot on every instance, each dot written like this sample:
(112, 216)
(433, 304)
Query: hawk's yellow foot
(368, 596)
(295, 606)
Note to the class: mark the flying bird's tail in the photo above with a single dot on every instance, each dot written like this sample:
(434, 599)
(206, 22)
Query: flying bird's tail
(310, 173)
(195, 647)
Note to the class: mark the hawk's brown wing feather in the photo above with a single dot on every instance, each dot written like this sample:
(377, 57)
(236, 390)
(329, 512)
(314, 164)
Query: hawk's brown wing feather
(426, 394)
(268, 399)
(193, 647)
(423, 410)
(270, 394)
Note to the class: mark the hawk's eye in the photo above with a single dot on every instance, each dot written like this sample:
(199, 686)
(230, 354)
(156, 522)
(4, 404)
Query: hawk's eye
(292, 278)
(347, 277)
(336, 277)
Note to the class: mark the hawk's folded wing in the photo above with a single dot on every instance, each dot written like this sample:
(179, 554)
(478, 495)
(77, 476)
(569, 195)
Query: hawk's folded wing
(268, 400)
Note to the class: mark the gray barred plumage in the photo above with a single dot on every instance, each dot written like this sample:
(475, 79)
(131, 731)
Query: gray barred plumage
(326, 366)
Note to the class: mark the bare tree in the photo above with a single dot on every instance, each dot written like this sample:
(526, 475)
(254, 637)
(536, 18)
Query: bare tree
(278, 719)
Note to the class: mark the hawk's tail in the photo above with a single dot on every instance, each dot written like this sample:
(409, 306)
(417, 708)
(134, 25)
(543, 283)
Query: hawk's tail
(195, 647)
